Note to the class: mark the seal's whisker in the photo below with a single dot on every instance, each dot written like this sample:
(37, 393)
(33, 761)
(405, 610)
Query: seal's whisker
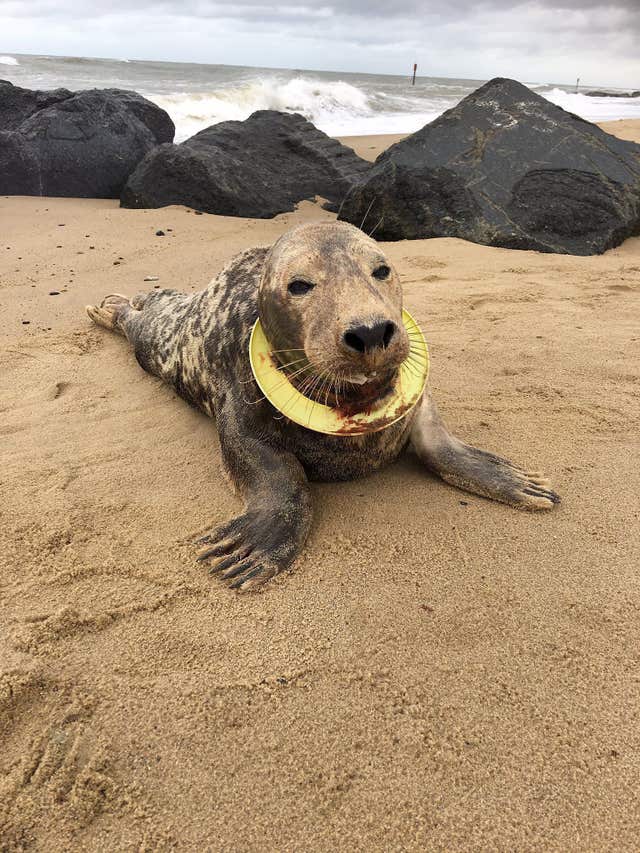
(286, 379)
(416, 358)
(290, 363)
(300, 390)
(364, 218)
(339, 386)
(328, 388)
(324, 388)
(376, 226)
(310, 393)
(417, 362)
(413, 369)
(418, 353)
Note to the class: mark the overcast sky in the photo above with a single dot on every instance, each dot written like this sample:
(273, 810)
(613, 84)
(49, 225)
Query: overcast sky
(538, 41)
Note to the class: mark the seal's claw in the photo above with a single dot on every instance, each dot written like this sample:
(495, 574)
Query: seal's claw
(253, 579)
(107, 313)
(493, 477)
(248, 550)
(221, 547)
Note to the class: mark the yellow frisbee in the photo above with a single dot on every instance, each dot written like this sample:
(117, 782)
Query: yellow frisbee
(282, 393)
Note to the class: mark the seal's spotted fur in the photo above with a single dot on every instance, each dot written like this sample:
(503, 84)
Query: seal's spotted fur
(199, 345)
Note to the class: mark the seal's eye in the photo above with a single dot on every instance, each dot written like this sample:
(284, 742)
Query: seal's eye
(300, 287)
(381, 272)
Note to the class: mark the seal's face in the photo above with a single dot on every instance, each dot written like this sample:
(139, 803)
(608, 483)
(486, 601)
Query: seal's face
(331, 307)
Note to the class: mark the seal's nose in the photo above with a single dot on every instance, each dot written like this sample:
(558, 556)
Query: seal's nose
(377, 336)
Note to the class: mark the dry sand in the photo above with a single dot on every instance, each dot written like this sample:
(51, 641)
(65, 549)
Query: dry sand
(438, 672)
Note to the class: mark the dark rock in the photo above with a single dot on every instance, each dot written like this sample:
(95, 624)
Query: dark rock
(596, 94)
(86, 146)
(259, 167)
(82, 145)
(505, 167)
(154, 117)
(19, 168)
(17, 104)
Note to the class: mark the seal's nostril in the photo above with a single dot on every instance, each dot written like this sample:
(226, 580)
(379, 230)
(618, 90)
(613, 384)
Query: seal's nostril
(389, 332)
(353, 341)
(378, 336)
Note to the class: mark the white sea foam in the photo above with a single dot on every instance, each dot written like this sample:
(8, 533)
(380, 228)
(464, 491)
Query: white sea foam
(8, 60)
(594, 109)
(335, 106)
(319, 101)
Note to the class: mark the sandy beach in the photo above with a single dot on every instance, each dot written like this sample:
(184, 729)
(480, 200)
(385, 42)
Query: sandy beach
(438, 672)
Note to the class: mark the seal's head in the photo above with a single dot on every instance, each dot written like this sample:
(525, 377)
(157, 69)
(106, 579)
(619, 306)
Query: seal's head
(330, 304)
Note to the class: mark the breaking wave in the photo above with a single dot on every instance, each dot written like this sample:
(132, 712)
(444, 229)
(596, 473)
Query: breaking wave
(336, 107)
(594, 109)
(8, 60)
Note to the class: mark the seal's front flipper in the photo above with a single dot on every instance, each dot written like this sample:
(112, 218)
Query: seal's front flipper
(267, 537)
(250, 549)
(476, 470)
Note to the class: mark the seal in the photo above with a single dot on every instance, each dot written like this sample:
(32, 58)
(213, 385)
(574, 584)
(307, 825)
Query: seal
(328, 304)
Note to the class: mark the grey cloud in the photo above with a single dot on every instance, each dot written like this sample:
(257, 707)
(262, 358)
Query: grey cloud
(379, 9)
(446, 34)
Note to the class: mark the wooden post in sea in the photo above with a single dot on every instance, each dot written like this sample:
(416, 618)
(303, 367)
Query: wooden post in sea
(577, 85)
(415, 68)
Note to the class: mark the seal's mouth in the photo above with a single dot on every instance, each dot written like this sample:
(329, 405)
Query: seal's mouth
(333, 398)
(350, 393)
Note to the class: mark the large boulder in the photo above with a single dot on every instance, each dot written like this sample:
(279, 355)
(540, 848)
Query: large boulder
(505, 167)
(17, 104)
(151, 115)
(82, 145)
(19, 167)
(259, 168)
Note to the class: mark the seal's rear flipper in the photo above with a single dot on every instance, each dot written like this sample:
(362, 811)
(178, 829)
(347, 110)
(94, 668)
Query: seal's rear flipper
(108, 312)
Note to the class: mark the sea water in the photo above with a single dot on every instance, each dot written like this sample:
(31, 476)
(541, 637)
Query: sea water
(339, 103)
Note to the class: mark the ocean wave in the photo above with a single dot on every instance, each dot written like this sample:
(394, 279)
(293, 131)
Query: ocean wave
(316, 100)
(197, 96)
(594, 109)
(334, 106)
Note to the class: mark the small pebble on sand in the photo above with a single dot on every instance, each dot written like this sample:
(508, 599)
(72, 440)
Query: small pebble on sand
(159, 233)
